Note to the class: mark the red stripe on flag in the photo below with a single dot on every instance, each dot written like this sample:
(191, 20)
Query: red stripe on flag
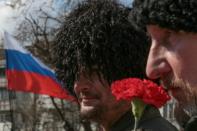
(36, 83)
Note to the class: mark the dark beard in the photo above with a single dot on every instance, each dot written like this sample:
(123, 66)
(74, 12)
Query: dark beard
(189, 96)
(191, 108)
(94, 114)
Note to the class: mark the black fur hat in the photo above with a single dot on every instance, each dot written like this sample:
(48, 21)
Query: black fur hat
(98, 34)
(173, 14)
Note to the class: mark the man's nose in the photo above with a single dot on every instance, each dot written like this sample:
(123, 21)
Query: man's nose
(81, 86)
(157, 64)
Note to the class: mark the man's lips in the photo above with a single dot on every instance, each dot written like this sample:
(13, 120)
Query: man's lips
(173, 88)
(87, 100)
(175, 92)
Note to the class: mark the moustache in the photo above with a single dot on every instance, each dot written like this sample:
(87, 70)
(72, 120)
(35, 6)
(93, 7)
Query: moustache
(88, 95)
(169, 82)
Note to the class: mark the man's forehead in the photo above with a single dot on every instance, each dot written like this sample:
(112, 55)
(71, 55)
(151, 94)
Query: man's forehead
(167, 29)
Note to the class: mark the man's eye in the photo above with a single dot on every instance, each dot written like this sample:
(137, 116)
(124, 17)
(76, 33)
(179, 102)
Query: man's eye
(148, 35)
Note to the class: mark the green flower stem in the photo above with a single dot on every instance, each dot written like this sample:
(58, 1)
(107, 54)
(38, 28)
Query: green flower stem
(138, 107)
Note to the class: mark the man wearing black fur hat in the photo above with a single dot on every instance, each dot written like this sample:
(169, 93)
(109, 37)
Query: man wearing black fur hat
(95, 46)
(172, 27)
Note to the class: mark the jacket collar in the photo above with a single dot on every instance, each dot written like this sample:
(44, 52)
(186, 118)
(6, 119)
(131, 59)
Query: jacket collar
(126, 122)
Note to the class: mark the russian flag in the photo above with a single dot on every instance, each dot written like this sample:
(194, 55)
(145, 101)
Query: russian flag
(26, 73)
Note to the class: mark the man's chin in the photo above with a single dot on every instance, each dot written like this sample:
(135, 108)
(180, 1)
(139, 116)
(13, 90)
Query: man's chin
(187, 103)
(90, 112)
(180, 95)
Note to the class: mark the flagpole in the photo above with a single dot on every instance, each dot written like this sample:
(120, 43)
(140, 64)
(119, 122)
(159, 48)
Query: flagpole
(10, 93)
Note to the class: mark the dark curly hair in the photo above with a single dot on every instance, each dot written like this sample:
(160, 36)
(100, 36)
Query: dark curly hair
(173, 14)
(98, 34)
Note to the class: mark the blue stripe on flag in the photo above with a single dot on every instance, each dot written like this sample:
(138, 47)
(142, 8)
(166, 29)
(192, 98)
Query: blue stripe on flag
(25, 62)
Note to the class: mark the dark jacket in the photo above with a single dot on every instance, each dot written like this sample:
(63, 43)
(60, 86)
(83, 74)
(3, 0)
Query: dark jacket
(151, 121)
(191, 124)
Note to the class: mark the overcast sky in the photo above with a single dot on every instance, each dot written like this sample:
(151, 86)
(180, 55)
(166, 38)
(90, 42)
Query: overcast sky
(7, 12)
(127, 2)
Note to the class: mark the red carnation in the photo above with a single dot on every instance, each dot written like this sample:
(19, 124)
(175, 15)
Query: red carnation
(126, 88)
(146, 90)
(140, 93)
(154, 94)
